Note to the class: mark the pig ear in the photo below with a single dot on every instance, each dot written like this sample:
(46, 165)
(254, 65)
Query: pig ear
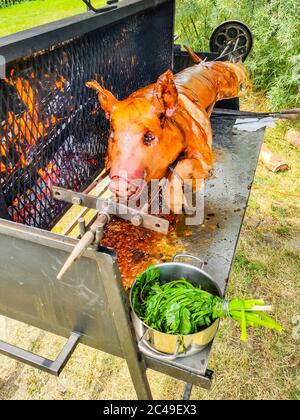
(107, 100)
(165, 94)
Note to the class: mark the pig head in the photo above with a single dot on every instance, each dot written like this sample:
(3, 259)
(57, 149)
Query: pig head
(143, 141)
(164, 123)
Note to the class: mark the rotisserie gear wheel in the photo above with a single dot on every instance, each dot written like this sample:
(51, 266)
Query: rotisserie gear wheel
(232, 35)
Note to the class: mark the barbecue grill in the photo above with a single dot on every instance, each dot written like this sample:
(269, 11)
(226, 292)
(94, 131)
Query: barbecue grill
(53, 134)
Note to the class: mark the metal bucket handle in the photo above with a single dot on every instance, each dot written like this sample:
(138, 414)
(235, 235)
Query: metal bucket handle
(192, 257)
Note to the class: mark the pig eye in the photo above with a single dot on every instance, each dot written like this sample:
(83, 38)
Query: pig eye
(148, 138)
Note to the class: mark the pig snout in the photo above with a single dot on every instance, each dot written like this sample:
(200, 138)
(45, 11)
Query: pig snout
(125, 188)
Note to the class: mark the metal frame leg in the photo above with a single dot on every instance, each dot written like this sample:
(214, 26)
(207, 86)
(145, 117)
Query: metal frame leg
(120, 313)
(54, 367)
(187, 392)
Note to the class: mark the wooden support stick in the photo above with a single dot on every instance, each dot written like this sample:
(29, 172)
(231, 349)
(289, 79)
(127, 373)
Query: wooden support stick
(293, 137)
(271, 161)
(194, 56)
(86, 241)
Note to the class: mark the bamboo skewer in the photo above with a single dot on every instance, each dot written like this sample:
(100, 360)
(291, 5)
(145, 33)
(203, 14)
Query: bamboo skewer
(87, 240)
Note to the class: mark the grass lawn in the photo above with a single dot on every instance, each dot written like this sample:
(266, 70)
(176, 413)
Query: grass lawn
(33, 13)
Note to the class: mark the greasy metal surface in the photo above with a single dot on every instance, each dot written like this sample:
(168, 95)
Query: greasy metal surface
(226, 196)
(195, 364)
(148, 221)
(89, 300)
(182, 371)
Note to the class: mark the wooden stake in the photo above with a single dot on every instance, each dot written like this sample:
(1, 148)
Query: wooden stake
(271, 161)
(293, 137)
(87, 239)
(194, 56)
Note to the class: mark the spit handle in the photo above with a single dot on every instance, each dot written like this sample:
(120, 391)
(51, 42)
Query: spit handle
(98, 10)
(176, 256)
(54, 367)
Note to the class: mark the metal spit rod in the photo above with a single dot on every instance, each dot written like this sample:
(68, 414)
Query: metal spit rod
(104, 208)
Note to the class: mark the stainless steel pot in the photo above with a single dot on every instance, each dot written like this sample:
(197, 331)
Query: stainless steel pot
(167, 346)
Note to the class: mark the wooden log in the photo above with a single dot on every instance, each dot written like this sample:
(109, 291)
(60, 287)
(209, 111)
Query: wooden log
(293, 137)
(271, 161)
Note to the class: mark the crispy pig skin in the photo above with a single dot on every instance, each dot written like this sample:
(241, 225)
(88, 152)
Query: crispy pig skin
(167, 122)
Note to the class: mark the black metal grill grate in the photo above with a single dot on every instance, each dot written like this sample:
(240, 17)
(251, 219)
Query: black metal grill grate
(52, 131)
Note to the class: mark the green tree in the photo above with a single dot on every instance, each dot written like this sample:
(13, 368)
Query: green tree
(274, 61)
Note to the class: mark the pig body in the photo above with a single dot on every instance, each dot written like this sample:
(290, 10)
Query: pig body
(167, 123)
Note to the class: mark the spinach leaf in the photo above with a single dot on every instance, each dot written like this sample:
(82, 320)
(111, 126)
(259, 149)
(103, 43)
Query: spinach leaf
(180, 308)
